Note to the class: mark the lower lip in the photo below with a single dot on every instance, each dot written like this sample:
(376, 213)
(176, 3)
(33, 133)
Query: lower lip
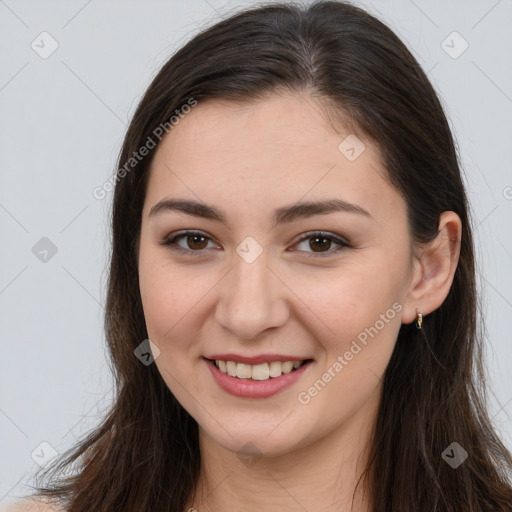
(248, 388)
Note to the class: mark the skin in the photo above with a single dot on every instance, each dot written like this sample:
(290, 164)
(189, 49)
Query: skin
(248, 159)
(31, 505)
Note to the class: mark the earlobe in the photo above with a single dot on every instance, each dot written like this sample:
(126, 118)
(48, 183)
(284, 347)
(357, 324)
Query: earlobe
(434, 269)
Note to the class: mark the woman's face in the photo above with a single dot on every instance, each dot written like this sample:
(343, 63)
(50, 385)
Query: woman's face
(260, 284)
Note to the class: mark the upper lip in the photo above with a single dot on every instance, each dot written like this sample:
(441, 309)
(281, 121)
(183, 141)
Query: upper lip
(262, 358)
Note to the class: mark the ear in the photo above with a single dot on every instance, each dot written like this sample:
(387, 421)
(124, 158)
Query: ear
(434, 266)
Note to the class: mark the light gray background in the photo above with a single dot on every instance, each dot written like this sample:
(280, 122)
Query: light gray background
(62, 122)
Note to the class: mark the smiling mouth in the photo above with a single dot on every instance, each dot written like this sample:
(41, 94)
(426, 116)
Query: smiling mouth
(258, 372)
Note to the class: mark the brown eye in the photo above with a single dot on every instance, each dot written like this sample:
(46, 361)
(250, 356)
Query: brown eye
(319, 244)
(194, 242)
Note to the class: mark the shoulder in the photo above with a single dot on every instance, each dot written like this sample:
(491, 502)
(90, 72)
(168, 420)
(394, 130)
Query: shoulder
(31, 505)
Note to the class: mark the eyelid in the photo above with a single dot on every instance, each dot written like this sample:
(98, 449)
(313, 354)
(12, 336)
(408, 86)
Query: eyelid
(342, 242)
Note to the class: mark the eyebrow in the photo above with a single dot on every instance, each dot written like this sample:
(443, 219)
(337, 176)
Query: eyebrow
(281, 215)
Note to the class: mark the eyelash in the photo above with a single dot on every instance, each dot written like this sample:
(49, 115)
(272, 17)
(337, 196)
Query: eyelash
(171, 241)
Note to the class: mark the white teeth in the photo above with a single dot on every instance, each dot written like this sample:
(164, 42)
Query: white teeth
(243, 371)
(287, 366)
(231, 368)
(258, 371)
(275, 369)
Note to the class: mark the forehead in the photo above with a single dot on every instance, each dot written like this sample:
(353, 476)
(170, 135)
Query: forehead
(295, 123)
(278, 150)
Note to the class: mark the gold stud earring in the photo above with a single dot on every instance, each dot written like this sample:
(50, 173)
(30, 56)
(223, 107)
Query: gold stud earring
(419, 320)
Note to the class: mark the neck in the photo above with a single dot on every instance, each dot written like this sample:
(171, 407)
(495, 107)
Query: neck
(320, 476)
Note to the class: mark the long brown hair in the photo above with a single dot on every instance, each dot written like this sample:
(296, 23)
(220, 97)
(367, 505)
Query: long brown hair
(144, 455)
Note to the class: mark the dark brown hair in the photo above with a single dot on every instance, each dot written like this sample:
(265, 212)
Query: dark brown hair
(144, 455)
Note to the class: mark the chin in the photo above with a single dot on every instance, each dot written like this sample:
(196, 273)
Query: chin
(261, 440)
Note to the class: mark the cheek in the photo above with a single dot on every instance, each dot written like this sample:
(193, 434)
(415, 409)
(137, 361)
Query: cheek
(173, 300)
(345, 302)
(165, 298)
(360, 320)
(168, 307)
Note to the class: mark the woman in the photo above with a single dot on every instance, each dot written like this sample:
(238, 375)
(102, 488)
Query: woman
(291, 306)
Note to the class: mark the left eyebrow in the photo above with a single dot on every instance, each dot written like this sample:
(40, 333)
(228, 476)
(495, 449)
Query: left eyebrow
(308, 209)
(281, 215)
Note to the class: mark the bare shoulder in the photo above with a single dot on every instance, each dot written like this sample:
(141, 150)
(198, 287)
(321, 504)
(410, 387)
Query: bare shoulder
(31, 505)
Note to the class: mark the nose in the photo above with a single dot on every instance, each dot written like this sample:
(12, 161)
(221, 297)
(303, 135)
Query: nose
(253, 299)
